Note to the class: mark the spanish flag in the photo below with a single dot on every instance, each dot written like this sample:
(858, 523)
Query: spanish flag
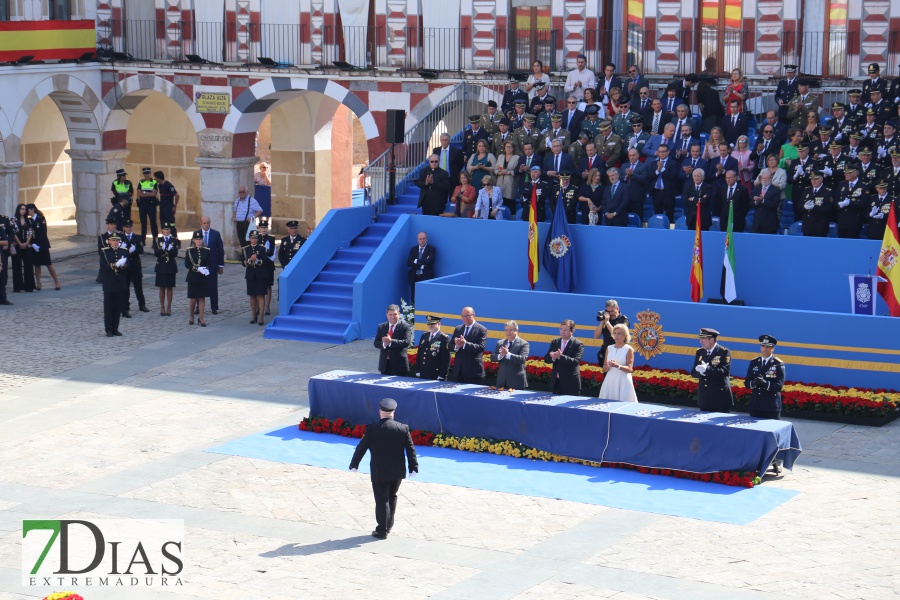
(534, 267)
(45, 40)
(697, 262)
(889, 264)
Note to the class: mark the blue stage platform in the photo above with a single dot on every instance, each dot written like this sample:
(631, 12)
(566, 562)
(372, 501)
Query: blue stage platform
(643, 435)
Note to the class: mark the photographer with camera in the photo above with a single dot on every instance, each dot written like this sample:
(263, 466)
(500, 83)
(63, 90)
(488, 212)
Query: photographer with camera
(606, 320)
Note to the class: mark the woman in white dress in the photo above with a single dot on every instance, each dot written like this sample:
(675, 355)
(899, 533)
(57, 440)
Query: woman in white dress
(619, 363)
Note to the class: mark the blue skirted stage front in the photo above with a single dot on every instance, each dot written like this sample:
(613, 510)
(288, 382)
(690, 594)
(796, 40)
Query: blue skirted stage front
(645, 435)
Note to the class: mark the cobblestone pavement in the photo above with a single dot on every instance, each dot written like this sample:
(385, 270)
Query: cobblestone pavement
(93, 427)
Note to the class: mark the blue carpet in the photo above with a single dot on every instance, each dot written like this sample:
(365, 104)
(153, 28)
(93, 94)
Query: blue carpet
(617, 488)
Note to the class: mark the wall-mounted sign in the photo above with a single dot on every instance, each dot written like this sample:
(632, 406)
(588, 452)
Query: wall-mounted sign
(218, 103)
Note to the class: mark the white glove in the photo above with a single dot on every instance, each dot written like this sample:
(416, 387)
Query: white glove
(412, 474)
(827, 171)
(880, 215)
(267, 245)
(36, 247)
(882, 152)
(844, 203)
(808, 205)
(354, 470)
(897, 100)
(875, 210)
(203, 270)
(798, 172)
(701, 368)
(132, 248)
(120, 262)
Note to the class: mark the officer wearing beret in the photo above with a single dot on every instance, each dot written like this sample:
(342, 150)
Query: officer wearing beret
(712, 367)
(387, 441)
(433, 356)
(878, 210)
(818, 206)
(528, 133)
(787, 89)
(472, 135)
(851, 200)
(503, 135)
(290, 244)
(113, 270)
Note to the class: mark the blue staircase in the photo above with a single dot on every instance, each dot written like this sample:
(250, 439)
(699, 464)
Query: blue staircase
(323, 313)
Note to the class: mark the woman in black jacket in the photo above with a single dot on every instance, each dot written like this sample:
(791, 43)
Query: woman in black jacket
(41, 246)
(165, 248)
(196, 261)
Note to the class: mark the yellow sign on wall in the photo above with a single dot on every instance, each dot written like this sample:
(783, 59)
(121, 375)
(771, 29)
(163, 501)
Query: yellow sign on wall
(213, 102)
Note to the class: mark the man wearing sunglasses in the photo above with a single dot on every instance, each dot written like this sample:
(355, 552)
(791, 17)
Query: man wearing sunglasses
(434, 187)
(572, 117)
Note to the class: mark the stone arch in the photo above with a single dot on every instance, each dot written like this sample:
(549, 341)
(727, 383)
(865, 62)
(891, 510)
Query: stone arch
(5, 132)
(427, 104)
(80, 107)
(125, 96)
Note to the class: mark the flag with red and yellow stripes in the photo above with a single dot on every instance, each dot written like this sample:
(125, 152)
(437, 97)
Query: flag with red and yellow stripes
(45, 40)
(889, 264)
(697, 261)
(534, 267)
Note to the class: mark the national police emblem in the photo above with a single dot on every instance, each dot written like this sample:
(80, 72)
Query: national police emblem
(863, 292)
(559, 246)
(647, 336)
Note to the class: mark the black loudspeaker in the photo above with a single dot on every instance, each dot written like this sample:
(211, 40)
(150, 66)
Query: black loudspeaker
(396, 124)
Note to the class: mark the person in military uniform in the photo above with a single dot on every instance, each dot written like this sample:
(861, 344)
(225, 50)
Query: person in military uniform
(853, 148)
(878, 210)
(798, 172)
(566, 193)
(121, 186)
(591, 122)
(290, 244)
(856, 109)
(555, 132)
(786, 90)
(517, 118)
(166, 251)
(256, 275)
(577, 150)
(491, 118)
(765, 378)
(851, 200)
(871, 131)
(892, 174)
(267, 241)
(820, 149)
(874, 82)
(817, 202)
(609, 145)
(712, 367)
(842, 126)
(638, 138)
(869, 172)
(542, 191)
(113, 266)
(621, 123)
(119, 213)
(890, 143)
(147, 201)
(134, 245)
(433, 356)
(833, 165)
(511, 96)
(503, 135)
(528, 133)
(544, 121)
(103, 241)
(537, 102)
(883, 110)
(801, 104)
(197, 263)
(472, 135)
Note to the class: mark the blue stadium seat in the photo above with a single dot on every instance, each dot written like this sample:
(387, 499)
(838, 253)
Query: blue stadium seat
(648, 211)
(715, 224)
(862, 232)
(658, 222)
(796, 228)
(825, 120)
(832, 230)
(679, 201)
(503, 213)
(748, 222)
(704, 137)
(634, 220)
(681, 223)
(678, 213)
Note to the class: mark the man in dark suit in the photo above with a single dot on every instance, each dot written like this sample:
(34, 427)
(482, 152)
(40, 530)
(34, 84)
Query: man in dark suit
(450, 158)
(387, 441)
(683, 87)
(572, 117)
(212, 239)
(684, 139)
(290, 244)
(736, 123)
(433, 357)
(766, 144)
(114, 274)
(392, 339)
(591, 161)
(543, 192)
(732, 192)
(671, 101)
(635, 83)
(663, 183)
(134, 246)
(633, 174)
(564, 354)
(614, 206)
(468, 341)
(510, 356)
(655, 118)
(434, 187)
(712, 366)
(715, 174)
(766, 200)
(692, 161)
(779, 129)
(557, 162)
(696, 194)
(420, 262)
(610, 80)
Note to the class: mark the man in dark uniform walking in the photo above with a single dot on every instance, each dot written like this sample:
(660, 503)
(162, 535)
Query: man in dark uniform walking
(387, 441)
(712, 366)
(134, 246)
(433, 356)
(765, 378)
(113, 267)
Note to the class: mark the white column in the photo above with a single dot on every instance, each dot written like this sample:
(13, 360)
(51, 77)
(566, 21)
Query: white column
(9, 186)
(220, 179)
(93, 172)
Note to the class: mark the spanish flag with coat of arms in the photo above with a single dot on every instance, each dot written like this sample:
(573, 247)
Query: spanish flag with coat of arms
(889, 264)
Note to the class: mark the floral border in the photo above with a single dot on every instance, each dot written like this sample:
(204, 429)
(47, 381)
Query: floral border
(63, 596)
(343, 428)
(678, 383)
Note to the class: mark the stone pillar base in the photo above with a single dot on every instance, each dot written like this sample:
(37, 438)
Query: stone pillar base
(93, 172)
(220, 179)
(9, 187)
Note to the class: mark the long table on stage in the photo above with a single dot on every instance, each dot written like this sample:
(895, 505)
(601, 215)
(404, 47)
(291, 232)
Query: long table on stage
(647, 435)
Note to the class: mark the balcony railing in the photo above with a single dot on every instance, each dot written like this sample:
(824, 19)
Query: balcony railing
(829, 54)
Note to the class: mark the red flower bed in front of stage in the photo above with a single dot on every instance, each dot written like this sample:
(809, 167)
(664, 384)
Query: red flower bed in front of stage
(511, 448)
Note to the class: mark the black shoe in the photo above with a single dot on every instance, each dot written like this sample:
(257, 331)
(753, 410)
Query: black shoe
(379, 534)
(144, 309)
(215, 312)
(196, 311)
(117, 332)
(126, 315)
(98, 280)
(5, 302)
(202, 324)
(109, 334)
(268, 313)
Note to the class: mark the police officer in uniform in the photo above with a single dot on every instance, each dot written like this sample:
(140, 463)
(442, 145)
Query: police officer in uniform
(856, 109)
(869, 172)
(113, 267)
(119, 213)
(834, 165)
(512, 96)
(267, 241)
(786, 90)
(566, 193)
(609, 145)
(433, 356)
(621, 123)
(801, 104)
(798, 172)
(892, 175)
(541, 193)
(874, 82)
(851, 199)
(577, 150)
(537, 103)
(122, 186)
(883, 110)
(889, 144)
(638, 138)
(528, 133)
(4, 263)
(555, 132)
(842, 126)
(472, 135)
(103, 241)
(765, 379)
(712, 367)
(134, 246)
(517, 118)
(290, 244)
(878, 210)
(818, 206)
(147, 201)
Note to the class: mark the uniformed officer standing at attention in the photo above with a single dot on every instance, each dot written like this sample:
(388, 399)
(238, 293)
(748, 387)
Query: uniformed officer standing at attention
(256, 276)
(114, 268)
(472, 135)
(134, 245)
(712, 366)
(290, 244)
(875, 81)
(818, 207)
(433, 356)
(166, 251)
(120, 211)
(122, 186)
(268, 242)
(103, 241)
(386, 440)
(802, 104)
(765, 379)
(787, 89)
(147, 201)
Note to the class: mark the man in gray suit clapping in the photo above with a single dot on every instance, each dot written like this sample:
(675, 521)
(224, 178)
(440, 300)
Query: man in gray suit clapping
(510, 356)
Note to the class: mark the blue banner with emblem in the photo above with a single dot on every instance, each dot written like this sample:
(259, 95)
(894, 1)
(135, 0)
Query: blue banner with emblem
(558, 258)
(862, 293)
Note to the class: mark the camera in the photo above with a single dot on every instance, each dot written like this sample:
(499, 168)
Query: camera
(602, 315)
